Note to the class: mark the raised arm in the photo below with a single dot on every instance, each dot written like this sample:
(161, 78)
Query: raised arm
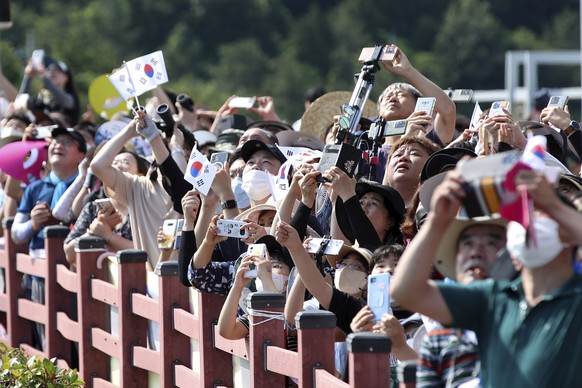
(101, 163)
(411, 285)
(546, 199)
(446, 111)
(204, 253)
(315, 283)
(228, 325)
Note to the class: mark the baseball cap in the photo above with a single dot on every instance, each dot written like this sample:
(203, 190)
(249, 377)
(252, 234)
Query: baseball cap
(250, 147)
(75, 135)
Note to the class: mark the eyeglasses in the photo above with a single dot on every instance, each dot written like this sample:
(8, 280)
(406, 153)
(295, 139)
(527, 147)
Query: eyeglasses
(125, 162)
(370, 202)
(353, 267)
(64, 141)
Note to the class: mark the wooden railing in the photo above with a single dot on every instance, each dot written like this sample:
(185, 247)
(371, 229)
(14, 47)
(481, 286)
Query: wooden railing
(90, 290)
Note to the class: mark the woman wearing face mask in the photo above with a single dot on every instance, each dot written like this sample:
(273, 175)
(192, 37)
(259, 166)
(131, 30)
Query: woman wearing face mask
(350, 279)
(262, 163)
(272, 276)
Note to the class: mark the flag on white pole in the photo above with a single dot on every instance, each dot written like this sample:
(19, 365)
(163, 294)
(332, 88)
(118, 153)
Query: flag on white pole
(200, 172)
(140, 75)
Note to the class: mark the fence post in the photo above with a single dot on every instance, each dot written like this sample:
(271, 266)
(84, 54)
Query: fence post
(90, 312)
(174, 346)
(315, 344)
(132, 328)
(269, 332)
(406, 373)
(212, 360)
(369, 359)
(19, 329)
(56, 298)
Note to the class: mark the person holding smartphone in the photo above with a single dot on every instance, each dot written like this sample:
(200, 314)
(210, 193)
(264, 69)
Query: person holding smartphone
(107, 217)
(272, 275)
(58, 93)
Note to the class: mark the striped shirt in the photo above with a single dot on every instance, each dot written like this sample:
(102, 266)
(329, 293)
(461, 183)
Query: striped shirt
(448, 358)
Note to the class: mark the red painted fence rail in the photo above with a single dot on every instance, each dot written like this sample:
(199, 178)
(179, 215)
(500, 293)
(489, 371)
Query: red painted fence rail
(76, 315)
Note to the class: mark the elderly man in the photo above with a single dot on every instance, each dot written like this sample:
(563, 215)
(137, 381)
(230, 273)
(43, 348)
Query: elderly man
(468, 252)
(522, 326)
(398, 100)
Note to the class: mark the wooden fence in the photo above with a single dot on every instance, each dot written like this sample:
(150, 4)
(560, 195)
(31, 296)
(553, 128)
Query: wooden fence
(77, 319)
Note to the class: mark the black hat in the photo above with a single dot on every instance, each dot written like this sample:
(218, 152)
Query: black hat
(250, 147)
(392, 200)
(75, 135)
(444, 160)
(274, 247)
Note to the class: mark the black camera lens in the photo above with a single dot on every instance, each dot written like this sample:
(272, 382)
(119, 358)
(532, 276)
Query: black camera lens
(186, 102)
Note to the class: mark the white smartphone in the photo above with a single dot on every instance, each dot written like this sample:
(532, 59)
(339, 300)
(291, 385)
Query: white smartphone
(169, 231)
(497, 108)
(558, 102)
(425, 104)
(231, 228)
(37, 58)
(259, 250)
(242, 102)
(379, 294)
(104, 204)
(44, 131)
(332, 248)
(461, 95)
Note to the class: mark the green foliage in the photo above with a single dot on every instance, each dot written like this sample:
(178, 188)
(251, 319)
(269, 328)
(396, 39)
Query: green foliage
(19, 370)
(215, 48)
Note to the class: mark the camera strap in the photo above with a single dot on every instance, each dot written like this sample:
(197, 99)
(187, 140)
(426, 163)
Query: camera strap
(320, 251)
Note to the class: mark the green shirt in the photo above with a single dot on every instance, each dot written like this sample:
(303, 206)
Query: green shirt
(520, 345)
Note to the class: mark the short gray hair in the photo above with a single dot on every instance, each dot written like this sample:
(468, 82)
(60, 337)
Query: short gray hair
(399, 86)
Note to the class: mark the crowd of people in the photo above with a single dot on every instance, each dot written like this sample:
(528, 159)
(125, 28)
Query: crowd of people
(482, 301)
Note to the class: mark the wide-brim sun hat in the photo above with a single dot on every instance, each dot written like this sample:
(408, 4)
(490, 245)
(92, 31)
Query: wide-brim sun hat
(320, 113)
(446, 254)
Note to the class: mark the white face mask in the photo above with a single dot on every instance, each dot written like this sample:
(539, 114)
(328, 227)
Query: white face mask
(547, 246)
(267, 229)
(350, 281)
(242, 199)
(256, 184)
(280, 282)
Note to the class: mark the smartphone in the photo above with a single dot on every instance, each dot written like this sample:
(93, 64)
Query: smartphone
(259, 250)
(387, 54)
(379, 294)
(5, 18)
(395, 128)
(104, 204)
(332, 248)
(178, 234)
(231, 228)
(460, 95)
(45, 131)
(425, 104)
(497, 108)
(37, 58)
(169, 231)
(558, 101)
(242, 102)
(219, 158)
